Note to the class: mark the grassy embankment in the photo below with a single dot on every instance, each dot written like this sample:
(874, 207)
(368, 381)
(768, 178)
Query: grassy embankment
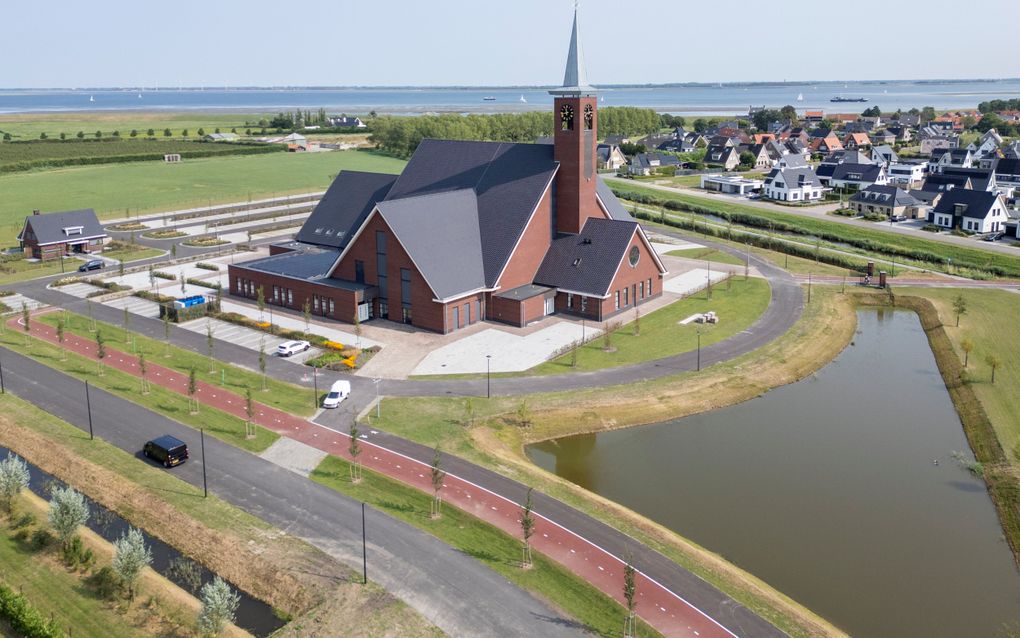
(706, 254)
(496, 549)
(170, 404)
(488, 432)
(862, 240)
(273, 566)
(987, 410)
(115, 191)
(278, 394)
(159, 608)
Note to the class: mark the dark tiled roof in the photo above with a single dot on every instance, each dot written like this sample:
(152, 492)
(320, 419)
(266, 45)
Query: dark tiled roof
(450, 260)
(346, 204)
(939, 182)
(611, 203)
(1008, 166)
(586, 263)
(794, 177)
(978, 203)
(885, 196)
(857, 172)
(981, 179)
(509, 180)
(49, 227)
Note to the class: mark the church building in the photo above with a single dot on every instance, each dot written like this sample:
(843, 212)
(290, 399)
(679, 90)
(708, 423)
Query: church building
(470, 231)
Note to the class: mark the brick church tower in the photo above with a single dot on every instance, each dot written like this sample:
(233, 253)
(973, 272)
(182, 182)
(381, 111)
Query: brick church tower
(575, 139)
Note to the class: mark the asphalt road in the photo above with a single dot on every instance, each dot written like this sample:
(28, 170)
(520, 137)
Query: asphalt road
(454, 591)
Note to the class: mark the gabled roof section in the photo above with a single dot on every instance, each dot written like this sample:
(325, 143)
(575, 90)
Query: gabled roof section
(73, 225)
(345, 206)
(451, 260)
(586, 263)
(854, 172)
(966, 202)
(508, 179)
(613, 207)
(884, 196)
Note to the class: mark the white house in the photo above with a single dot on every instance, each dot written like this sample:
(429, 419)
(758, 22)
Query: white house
(793, 185)
(910, 175)
(956, 157)
(730, 184)
(853, 176)
(971, 210)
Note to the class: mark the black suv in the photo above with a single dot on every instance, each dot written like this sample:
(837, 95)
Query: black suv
(167, 450)
(92, 264)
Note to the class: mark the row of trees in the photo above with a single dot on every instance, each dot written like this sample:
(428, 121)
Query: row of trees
(151, 133)
(69, 511)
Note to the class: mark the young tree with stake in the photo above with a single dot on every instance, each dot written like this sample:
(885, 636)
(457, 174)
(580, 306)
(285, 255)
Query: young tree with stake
(127, 321)
(130, 557)
(527, 528)
(355, 450)
(438, 476)
(262, 363)
(192, 389)
(219, 606)
(60, 339)
(993, 362)
(143, 370)
(166, 331)
(101, 351)
(260, 302)
(26, 321)
(249, 411)
(967, 346)
(68, 512)
(959, 307)
(629, 589)
(306, 312)
(210, 344)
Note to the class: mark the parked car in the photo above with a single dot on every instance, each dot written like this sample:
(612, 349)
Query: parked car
(898, 218)
(994, 237)
(287, 348)
(92, 264)
(337, 393)
(168, 450)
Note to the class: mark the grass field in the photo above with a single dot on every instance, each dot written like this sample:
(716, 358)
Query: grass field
(738, 303)
(30, 125)
(280, 395)
(707, 254)
(876, 240)
(116, 190)
(23, 156)
(21, 269)
(133, 254)
(496, 549)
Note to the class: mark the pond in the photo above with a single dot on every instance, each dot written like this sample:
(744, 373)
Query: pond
(847, 490)
(253, 615)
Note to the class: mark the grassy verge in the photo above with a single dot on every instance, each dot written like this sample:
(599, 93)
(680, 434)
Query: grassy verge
(170, 404)
(738, 302)
(281, 395)
(149, 187)
(707, 254)
(487, 432)
(135, 254)
(269, 564)
(862, 239)
(22, 269)
(496, 549)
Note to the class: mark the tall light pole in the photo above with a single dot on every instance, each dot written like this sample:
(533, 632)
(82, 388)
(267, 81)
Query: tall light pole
(315, 387)
(364, 546)
(205, 482)
(88, 408)
(2, 389)
(488, 377)
(377, 403)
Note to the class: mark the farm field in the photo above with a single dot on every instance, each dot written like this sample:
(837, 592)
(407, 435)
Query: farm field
(30, 125)
(115, 191)
(23, 156)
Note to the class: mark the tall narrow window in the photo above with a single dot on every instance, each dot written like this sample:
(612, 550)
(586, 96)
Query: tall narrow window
(589, 117)
(359, 271)
(405, 286)
(380, 264)
(567, 118)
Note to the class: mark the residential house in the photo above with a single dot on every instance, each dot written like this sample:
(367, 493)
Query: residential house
(54, 235)
(677, 145)
(932, 143)
(762, 160)
(610, 157)
(855, 141)
(791, 160)
(814, 117)
(909, 175)
(793, 185)
(850, 176)
(795, 146)
(617, 140)
(730, 184)
(648, 163)
(845, 155)
(653, 140)
(726, 157)
(859, 126)
(970, 210)
(893, 202)
(884, 154)
(1007, 173)
(884, 136)
(346, 122)
(903, 133)
(826, 144)
(981, 179)
(958, 157)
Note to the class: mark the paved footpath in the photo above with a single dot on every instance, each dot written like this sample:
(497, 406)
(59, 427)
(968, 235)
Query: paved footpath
(665, 610)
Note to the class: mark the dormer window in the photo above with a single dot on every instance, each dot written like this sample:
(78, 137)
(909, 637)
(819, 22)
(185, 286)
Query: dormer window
(959, 209)
(577, 262)
(73, 230)
(318, 231)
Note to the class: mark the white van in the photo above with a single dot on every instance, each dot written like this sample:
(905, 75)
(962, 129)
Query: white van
(337, 393)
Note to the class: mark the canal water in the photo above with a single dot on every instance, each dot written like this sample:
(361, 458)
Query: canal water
(842, 491)
(253, 615)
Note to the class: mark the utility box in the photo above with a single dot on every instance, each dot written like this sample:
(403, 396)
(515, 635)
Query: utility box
(881, 279)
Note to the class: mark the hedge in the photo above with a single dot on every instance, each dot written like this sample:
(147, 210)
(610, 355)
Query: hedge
(25, 619)
(180, 315)
(26, 165)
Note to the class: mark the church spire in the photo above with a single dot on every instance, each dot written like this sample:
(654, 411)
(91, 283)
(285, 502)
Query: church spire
(575, 78)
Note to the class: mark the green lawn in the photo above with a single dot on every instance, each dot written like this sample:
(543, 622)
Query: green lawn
(57, 593)
(497, 550)
(114, 190)
(982, 325)
(29, 126)
(22, 269)
(707, 254)
(170, 404)
(877, 240)
(134, 254)
(738, 304)
(284, 396)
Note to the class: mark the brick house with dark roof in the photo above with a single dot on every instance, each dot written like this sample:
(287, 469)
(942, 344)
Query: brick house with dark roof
(52, 235)
(471, 231)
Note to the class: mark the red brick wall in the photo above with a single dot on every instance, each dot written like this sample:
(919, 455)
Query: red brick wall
(447, 309)
(344, 301)
(575, 188)
(531, 250)
(631, 277)
(517, 313)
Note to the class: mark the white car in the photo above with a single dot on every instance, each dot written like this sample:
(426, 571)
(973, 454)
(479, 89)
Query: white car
(337, 393)
(288, 348)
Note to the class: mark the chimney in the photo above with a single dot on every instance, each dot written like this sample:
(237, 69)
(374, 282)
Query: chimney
(35, 212)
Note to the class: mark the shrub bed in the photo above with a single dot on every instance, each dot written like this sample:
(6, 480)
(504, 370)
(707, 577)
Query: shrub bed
(206, 241)
(205, 266)
(25, 619)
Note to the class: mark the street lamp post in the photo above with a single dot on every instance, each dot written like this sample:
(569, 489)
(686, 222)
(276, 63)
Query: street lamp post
(699, 350)
(364, 546)
(2, 389)
(315, 387)
(488, 377)
(205, 482)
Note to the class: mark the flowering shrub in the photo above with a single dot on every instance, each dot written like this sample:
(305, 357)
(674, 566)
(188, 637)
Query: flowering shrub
(349, 361)
(263, 325)
(333, 345)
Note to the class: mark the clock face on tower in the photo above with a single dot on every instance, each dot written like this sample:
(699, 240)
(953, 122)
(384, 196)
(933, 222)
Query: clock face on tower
(567, 118)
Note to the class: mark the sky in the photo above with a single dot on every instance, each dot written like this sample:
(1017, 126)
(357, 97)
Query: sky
(126, 43)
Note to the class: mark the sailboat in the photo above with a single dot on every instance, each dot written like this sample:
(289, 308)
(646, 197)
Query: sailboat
(92, 98)
(800, 97)
(523, 100)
